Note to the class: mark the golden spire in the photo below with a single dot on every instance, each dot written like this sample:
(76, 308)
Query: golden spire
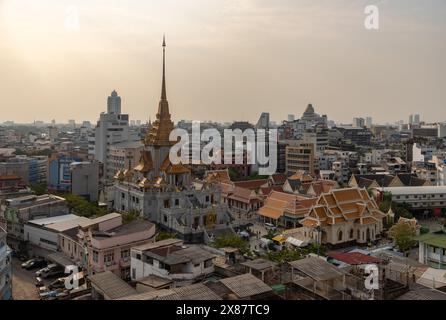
(162, 126)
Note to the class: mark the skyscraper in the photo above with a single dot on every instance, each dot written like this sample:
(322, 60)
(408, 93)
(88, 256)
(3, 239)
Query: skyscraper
(416, 119)
(114, 103)
(358, 122)
(112, 128)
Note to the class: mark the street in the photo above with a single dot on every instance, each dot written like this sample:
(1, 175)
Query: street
(23, 282)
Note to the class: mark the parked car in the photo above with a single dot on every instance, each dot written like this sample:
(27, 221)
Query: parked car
(51, 270)
(39, 282)
(270, 226)
(34, 263)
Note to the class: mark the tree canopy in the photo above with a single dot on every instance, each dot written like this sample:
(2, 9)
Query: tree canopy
(82, 207)
(231, 241)
(403, 234)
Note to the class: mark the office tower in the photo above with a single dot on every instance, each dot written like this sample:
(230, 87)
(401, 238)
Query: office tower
(114, 103)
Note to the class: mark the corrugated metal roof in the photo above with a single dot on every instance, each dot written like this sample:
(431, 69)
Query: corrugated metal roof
(317, 268)
(111, 286)
(246, 285)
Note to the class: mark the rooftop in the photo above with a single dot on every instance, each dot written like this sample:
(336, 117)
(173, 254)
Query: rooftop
(416, 190)
(179, 254)
(353, 258)
(125, 229)
(437, 239)
(420, 292)
(154, 281)
(158, 244)
(259, 264)
(32, 200)
(111, 285)
(317, 268)
(51, 221)
(246, 285)
(191, 292)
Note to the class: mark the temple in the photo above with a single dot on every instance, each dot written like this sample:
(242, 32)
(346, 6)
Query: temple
(163, 192)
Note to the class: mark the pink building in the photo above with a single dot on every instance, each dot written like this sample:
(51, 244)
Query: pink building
(107, 242)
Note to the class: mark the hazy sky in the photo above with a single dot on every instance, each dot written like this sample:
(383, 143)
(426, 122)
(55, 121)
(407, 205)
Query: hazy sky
(226, 59)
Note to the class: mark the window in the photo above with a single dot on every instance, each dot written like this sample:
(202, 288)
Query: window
(109, 256)
(340, 235)
(351, 233)
(125, 254)
(133, 273)
(123, 195)
(177, 202)
(95, 256)
(208, 263)
(48, 242)
(138, 256)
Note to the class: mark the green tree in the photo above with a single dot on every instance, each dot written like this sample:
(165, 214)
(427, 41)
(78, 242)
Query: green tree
(130, 216)
(231, 240)
(256, 176)
(403, 234)
(163, 235)
(387, 196)
(285, 255)
(82, 207)
(38, 189)
(233, 174)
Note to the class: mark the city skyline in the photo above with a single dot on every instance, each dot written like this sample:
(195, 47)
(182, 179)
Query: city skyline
(231, 61)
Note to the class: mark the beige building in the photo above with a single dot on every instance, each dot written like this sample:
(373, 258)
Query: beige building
(122, 156)
(344, 216)
(299, 156)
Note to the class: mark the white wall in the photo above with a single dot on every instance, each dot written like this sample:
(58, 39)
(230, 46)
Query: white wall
(35, 235)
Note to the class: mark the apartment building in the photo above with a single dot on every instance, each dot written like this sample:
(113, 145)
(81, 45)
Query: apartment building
(171, 259)
(20, 210)
(300, 156)
(421, 198)
(104, 243)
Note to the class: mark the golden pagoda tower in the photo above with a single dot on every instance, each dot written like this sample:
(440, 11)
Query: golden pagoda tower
(158, 136)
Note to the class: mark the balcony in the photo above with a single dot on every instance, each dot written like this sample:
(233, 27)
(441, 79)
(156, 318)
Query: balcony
(124, 262)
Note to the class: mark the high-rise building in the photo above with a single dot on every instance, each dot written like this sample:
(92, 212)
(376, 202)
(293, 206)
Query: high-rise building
(411, 119)
(85, 179)
(112, 127)
(114, 103)
(368, 122)
(416, 119)
(263, 122)
(291, 117)
(299, 156)
(358, 122)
